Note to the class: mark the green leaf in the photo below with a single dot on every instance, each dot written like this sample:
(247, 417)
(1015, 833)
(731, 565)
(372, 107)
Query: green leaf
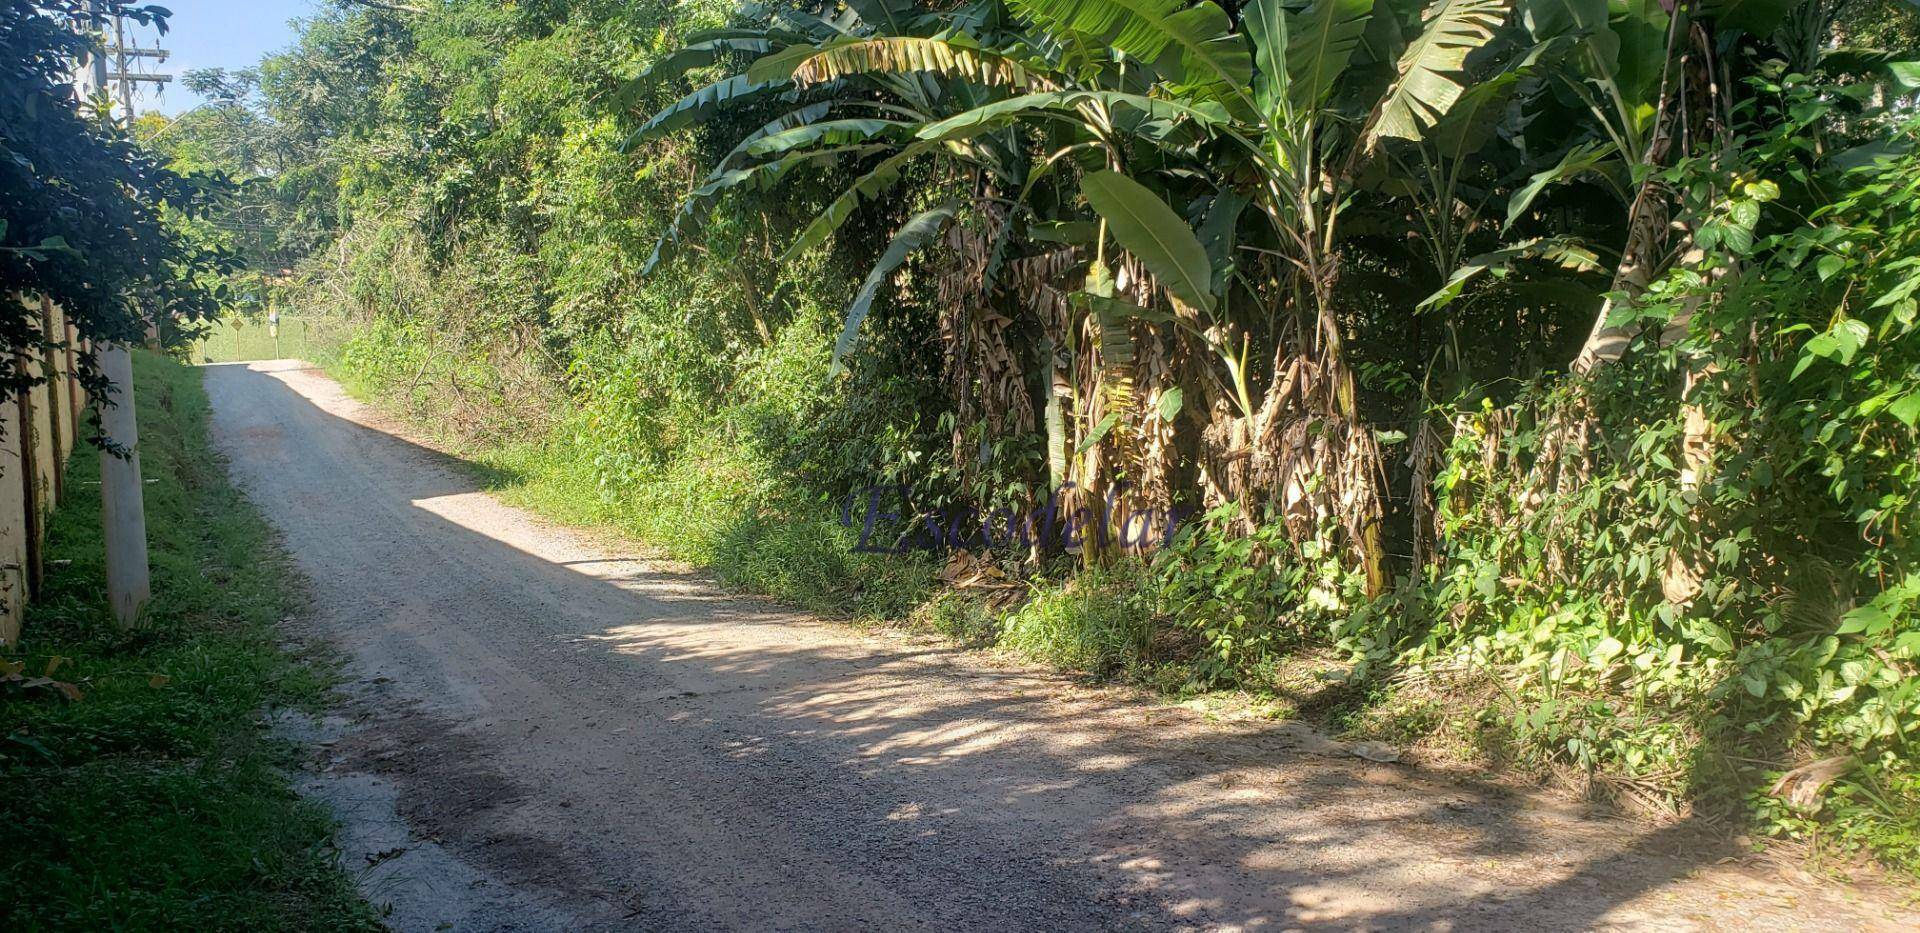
(698, 105)
(1428, 82)
(1579, 160)
(693, 209)
(888, 16)
(725, 176)
(1583, 25)
(1869, 155)
(695, 55)
(1869, 619)
(1848, 337)
(1192, 46)
(1476, 115)
(1217, 234)
(1100, 431)
(1146, 227)
(869, 186)
(1642, 27)
(1907, 409)
(990, 115)
(1308, 50)
(1566, 251)
(831, 132)
(779, 124)
(910, 55)
(1905, 75)
(1265, 23)
(1322, 40)
(1753, 17)
(779, 67)
(1608, 649)
(997, 112)
(1170, 402)
(912, 235)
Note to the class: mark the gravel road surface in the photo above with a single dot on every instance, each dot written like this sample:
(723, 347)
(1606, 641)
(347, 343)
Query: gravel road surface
(544, 732)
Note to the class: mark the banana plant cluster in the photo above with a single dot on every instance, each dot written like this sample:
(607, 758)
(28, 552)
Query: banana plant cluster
(1169, 198)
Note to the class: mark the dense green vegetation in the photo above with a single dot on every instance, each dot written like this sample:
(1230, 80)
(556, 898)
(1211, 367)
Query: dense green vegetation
(1541, 377)
(140, 788)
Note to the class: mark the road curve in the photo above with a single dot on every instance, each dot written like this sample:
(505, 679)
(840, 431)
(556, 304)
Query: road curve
(547, 733)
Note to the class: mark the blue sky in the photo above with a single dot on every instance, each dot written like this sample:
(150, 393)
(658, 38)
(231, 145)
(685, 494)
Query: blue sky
(216, 34)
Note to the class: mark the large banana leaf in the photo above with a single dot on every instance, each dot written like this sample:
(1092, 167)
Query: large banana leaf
(1753, 17)
(1218, 232)
(698, 105)
(697, 55)
(1001, 111)
(778, 67)
(914, 234)
(1192, 46)
(761, 177)
(905, 54)
(1429, 70)
(1590, 157)
(891, 17)
(1476, 115)
(780, 124)
(1265, 22)
(1321, 40)
(1642, 26)
(773, 33)
(1146, 227)
(1583, 21)
(725, 176)
(830, 132)
(869, 186)
(1568, 252)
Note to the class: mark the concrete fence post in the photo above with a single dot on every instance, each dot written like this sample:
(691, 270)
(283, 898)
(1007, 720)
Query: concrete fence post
(123, 510)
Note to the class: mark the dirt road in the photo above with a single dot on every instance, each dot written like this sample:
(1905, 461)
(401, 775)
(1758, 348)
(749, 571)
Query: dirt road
(547, 734)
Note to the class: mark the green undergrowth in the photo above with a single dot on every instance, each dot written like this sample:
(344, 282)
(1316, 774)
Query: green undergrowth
(157, 798)
(706, 496)
(703, 511)
(1494, 661)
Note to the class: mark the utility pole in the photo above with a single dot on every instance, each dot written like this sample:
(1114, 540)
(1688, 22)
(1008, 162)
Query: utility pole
(123, 511)
(124, 57)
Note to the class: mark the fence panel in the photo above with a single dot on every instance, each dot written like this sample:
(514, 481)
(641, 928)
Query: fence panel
(38, 430)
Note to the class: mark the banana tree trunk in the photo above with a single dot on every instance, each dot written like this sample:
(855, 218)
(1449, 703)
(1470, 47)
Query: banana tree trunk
(1646, 222)
(1369, 546)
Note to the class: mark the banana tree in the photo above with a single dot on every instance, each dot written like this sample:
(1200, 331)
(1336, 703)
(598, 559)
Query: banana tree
(945, 96)
(1656, 84)
(1256, 133)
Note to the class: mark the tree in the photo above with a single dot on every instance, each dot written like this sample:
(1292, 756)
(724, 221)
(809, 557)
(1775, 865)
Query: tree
(82, 205)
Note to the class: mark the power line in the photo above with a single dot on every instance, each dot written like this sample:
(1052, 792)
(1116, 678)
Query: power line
(125, 57)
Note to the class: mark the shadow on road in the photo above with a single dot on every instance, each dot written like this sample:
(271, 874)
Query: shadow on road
(741, 765)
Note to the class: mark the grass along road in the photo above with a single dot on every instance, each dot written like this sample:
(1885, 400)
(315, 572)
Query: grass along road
(159, 799)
